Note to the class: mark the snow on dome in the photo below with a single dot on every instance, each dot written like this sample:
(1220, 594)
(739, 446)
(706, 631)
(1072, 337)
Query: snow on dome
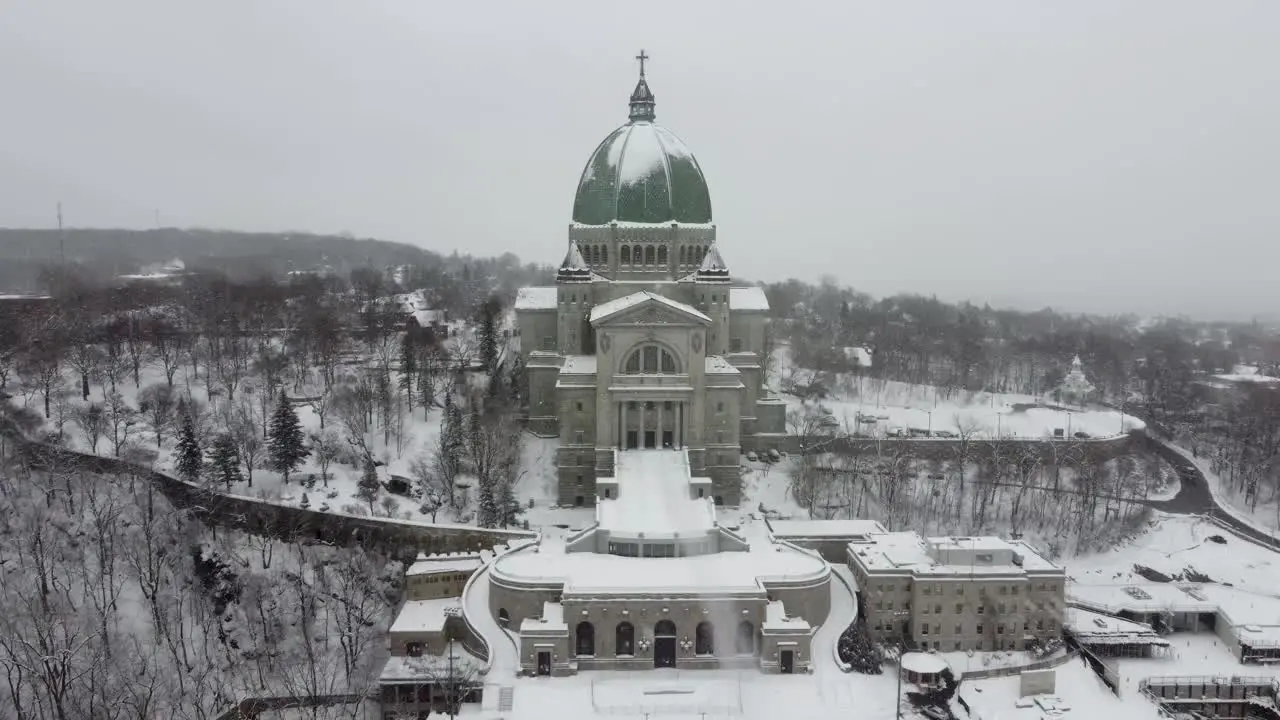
(642, 173)
(924, 663)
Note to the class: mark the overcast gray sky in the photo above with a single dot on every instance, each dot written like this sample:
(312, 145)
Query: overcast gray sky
(1094, 155)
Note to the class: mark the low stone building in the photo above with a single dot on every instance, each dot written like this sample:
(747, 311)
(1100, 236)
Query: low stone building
(657, 582)
(428, 668)
(956, 593)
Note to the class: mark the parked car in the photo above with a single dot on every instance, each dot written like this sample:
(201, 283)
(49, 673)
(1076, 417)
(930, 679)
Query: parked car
(943, 433)
(1083, 435)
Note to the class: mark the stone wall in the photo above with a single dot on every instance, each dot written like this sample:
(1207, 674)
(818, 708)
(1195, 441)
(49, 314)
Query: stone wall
(400, 539)
(1100, 449)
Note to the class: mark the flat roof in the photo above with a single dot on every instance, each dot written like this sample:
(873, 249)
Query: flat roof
(1099, 629)
(775, 618)
(402, 668)
(1252, 615)
(748, 298)
(452, 562)
(536, 298)
(723, 572)
(908, 550)
(579, 365)
(424, 615)
(833, 529)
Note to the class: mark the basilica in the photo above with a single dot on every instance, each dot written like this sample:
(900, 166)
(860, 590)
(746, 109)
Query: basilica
(644, 342)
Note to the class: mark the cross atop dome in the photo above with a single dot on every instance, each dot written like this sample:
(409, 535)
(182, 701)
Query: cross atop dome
(642, 97)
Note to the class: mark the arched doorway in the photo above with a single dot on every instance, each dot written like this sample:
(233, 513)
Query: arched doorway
(586, 640)
(504, 619)
(664, 644)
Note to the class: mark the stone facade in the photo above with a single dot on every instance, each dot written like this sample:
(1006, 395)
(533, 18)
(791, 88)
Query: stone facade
(976, 602)
(643, 270)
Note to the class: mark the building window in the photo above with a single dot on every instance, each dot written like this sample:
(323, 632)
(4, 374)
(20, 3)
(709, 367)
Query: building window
(579, 405)
(937, 609)
(650, 255)
(625, 635)
(959, 629)
(625, 255)
(1000, 629)
(586, 640)
(649, 359)
(413, 649)
(703, 639)
(579, 437)
(979, 628)
(578, 501)
(924, 628)
(959, 608)
(735, 344)
(662, 254)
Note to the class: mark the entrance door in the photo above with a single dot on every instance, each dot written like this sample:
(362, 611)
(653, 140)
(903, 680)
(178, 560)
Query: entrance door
(788, 662)
(633, 439)
(544, 663)
(664, 652)
(668, 439)
(649, 439)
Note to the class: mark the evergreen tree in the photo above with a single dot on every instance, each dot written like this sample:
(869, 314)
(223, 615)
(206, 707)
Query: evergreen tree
(225, 461)
(285, 445)
(489, 333)
(190, 458)
(487, 513)
(369, 485)
(509, 507)
(408, 364)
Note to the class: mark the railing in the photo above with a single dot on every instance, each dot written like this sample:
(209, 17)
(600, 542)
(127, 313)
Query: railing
(1008, 670)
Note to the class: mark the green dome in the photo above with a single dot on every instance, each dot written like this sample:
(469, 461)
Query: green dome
(642, 173)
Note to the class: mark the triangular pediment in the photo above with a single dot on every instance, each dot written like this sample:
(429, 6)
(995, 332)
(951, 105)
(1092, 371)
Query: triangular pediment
(646, 308)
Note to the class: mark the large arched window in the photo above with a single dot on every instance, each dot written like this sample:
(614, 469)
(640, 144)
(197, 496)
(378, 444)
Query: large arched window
(662, 254)
(625, 639)
(624, 255)
(649, 254)
(684, 255)
(604, 254)
(649, 359)
(586, 640)
(704, 639)
(745, 642)
(664, 628)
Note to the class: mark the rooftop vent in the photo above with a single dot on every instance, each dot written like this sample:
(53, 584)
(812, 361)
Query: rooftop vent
(1137, 593)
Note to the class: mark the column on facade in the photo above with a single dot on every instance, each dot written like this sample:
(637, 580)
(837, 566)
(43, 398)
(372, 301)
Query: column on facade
(657, 437)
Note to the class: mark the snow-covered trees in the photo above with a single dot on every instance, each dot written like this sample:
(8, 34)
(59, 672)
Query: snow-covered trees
(369, 486)
(487, 334)
(224, 461)
(158, 402)
(189, 459)
(286, 447)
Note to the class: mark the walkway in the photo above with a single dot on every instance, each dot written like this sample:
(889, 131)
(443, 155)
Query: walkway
(844, 608)
(504, 656)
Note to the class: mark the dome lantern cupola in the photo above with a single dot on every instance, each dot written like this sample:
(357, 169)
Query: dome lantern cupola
(642, 173)
(642, 96)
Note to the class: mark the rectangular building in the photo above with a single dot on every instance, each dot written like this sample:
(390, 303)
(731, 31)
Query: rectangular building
(956, 593)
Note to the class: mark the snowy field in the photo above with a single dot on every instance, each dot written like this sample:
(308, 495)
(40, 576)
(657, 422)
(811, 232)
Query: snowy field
(877, 407)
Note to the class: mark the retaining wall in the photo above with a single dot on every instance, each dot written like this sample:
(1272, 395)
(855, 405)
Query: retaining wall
(401, 539)
(1100, 449)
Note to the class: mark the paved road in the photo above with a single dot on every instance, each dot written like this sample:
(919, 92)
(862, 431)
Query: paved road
(1194, 497)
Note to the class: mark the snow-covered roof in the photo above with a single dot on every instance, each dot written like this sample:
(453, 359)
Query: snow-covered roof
(775, 618)
(927, 663)
(748, 298)
(908, 551)
(579, 364)
(445, 562)
(402, 668)
(717, 365)
(552, 620)
(536, 298)
(794, 529)
(1252, 616)
(654, 497)
(1098, 629)
(584, 573)
(424, 615)
(622, 304)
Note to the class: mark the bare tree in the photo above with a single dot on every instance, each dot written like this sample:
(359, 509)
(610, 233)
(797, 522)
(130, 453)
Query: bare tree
(325, 447)
(428, 483)
(247, 435)
(158, 402)
(121, 420)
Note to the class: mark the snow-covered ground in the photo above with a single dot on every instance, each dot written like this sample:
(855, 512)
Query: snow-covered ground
(1264, 517)
(876, 407)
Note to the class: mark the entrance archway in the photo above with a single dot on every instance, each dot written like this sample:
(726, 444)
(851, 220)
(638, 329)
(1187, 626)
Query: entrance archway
(664, 644)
